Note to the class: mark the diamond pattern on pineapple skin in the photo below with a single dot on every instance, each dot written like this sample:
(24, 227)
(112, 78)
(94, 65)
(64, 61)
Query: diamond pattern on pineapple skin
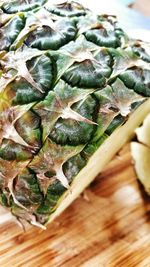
(58, 104)
(51, 158)
(14, 60)
(8, 117)
(8, 172)
(68, 79)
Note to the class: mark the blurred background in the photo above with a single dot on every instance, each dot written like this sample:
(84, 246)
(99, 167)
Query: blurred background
(142, 6)
(133, 15)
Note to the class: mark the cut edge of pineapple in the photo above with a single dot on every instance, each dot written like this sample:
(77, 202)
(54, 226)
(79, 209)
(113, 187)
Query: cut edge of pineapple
(143, 132)
(141, 157)
(101, 157)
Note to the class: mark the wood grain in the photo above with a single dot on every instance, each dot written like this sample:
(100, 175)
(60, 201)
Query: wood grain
(109, 226)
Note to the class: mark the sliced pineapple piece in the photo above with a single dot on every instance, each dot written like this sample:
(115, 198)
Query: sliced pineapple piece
(141, 154)
(143, 133)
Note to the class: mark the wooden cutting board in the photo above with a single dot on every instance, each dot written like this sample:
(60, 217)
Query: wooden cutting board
(107, 227)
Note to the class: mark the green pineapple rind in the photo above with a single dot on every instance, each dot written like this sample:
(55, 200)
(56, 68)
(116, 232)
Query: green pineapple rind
(68, 79)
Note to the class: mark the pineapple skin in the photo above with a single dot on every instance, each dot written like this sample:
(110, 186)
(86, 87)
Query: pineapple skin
(68, 80)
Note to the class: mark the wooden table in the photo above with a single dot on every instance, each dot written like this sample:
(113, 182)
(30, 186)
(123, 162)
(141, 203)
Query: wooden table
(107, 227)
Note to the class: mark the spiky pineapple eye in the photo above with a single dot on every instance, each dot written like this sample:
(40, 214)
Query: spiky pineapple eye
(28, 127)
(73, 166)
(138, 79)
(76, 132)
(21, 5)
(140, 51)
(21, 91)
(9, 150)
(67, 9)
(102, 37)
(24, 92)
(87, 74)
(10, 31)
(47, 38)
(41, 70)
(27, 190)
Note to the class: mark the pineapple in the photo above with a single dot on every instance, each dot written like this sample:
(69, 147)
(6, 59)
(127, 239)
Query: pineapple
(140, 151)
(73, 87)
